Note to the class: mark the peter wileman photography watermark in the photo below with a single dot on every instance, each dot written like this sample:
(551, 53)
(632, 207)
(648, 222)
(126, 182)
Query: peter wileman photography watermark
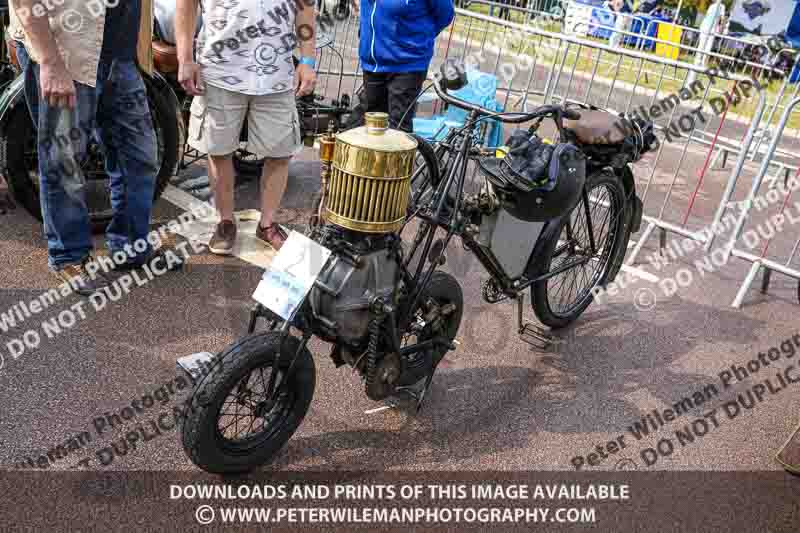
(730, 379)
(21, 313)
(646, 298)
(164, 420)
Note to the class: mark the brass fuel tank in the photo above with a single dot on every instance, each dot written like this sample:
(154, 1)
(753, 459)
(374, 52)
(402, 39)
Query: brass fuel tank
(368, 190)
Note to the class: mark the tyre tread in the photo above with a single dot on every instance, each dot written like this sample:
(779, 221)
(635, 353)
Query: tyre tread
(198, 411)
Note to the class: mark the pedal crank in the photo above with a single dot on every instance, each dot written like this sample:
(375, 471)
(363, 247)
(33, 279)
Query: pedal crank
(530, 333)
(417, 392)
(491, 292)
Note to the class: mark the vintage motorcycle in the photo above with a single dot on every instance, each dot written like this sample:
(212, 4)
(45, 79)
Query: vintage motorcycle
(380, 300)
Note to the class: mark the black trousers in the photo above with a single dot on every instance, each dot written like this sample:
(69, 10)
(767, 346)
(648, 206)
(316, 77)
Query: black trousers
(394, 93)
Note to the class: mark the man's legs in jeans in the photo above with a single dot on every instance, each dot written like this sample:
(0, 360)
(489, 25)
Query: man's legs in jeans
(61, 143)
(125, 129)
(117, 112)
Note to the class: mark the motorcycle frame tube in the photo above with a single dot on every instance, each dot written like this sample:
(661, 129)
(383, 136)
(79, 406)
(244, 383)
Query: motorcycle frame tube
(457, 173)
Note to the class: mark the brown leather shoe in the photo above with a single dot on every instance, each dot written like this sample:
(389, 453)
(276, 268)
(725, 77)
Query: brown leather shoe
(224, 238)
(272, 235)
(81, 278)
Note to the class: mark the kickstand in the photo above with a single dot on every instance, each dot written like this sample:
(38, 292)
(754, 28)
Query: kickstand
(424, 390)
(417, 393)
(530, 333)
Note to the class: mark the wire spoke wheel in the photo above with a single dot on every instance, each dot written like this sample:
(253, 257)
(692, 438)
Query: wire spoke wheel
(233, 425)
(443, 300)
(584, 247)
(247, 413)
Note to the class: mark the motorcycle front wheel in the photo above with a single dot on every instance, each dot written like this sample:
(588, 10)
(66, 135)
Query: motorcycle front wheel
(19, 159)
(230, 426)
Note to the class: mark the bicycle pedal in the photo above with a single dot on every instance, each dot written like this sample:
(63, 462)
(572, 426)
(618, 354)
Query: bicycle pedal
(536, 336)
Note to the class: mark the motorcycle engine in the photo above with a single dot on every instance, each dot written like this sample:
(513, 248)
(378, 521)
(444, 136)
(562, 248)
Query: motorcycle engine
(366, 175)
(361, 268)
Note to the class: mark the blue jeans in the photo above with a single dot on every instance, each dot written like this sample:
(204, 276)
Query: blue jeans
(116, 114)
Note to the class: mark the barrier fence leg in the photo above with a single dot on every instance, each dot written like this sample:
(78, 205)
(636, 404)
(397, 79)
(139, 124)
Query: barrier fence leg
(737, 302)
(730, 186)
(714, 161)
(640, 243)
(765, 280)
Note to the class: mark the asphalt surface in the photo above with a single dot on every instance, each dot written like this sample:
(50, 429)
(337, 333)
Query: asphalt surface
(496, 402)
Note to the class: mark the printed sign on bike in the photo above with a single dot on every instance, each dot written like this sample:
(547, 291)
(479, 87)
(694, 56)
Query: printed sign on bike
(291, 275)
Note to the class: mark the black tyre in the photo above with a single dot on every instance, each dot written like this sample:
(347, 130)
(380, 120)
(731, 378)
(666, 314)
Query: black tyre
(426, 175)
(559, 300)
(627, 226)
(18, 156)
(225, 399)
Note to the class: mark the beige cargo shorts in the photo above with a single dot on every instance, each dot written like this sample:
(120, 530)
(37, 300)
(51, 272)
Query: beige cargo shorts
(217, 117)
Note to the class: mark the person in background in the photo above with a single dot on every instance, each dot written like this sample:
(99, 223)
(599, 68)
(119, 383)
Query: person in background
(244, 69)
(396, 47)
(710, 28)
(622, 10)
(83, 78)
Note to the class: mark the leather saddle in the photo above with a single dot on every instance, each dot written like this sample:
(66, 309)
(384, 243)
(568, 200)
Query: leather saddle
(597, 127)
(165, 57)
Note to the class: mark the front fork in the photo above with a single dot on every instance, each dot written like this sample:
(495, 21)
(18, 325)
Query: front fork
(276, 382)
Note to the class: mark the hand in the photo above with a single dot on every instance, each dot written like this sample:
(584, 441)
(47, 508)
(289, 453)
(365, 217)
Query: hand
(56, 85)
(190, 76)
(305, 79)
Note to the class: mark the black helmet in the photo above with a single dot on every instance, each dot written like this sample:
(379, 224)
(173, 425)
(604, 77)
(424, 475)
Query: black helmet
(536, 182)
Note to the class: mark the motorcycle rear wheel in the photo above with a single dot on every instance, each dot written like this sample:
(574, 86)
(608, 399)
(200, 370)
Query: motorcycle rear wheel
(568, 242)
(18, 156)
(244, 366)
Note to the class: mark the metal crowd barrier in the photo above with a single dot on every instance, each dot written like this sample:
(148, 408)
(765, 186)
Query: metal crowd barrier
(562, 68)
(768, 225)
(535, 66)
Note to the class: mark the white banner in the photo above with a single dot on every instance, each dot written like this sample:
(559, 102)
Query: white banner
(762, 17)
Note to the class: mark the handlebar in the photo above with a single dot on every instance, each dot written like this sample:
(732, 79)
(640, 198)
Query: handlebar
(557, 111)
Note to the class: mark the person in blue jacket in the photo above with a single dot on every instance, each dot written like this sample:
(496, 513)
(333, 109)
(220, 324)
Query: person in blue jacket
(397, 38)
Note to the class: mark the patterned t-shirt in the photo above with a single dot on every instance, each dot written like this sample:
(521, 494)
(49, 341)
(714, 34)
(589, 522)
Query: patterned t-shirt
(246, 45)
